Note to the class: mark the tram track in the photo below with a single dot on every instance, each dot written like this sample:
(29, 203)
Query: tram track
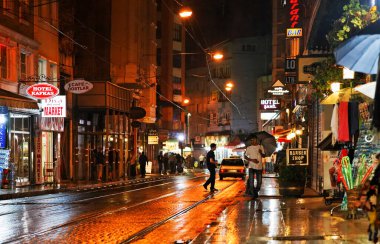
(30, 236)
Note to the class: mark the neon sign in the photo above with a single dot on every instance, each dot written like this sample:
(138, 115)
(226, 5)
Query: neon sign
(294, 12)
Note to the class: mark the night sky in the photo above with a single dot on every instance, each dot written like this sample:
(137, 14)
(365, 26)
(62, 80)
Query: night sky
(216, 21)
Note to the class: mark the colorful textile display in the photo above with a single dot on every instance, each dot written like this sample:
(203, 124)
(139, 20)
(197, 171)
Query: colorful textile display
(335, 124)
(362, 167)
(343, 130)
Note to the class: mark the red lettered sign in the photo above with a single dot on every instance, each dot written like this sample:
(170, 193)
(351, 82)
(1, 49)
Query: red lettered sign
(42, 91)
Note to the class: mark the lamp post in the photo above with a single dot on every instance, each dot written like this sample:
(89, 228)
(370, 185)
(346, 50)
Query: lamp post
(181, 138)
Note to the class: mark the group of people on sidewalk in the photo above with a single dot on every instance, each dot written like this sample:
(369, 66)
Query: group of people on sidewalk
(99, 164)
(254, 154)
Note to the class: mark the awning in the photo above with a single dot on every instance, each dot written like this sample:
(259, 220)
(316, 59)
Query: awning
(10, 99)
(326, 144)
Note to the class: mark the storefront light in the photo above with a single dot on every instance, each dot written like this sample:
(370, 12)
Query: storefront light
(298, 132)
(3, 119)
(335, 87)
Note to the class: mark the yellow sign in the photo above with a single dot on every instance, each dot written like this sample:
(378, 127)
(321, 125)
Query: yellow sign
(294, 32)
(152, 140)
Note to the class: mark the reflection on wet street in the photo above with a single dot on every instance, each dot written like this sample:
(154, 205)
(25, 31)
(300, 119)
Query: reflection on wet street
(173, 210)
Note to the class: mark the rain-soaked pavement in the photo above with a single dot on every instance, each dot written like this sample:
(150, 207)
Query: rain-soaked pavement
(175, 209)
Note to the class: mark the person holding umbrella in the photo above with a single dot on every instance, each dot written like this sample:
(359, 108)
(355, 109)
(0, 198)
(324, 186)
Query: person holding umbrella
(254, 154)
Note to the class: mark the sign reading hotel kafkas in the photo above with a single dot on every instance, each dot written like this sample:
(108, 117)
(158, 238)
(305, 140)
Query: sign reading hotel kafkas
(42, 91)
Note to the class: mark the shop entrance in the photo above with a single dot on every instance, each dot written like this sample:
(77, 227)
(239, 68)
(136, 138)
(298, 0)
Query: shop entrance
(47, 156)
(20, 148)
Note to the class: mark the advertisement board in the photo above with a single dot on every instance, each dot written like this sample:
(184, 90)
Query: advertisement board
(297, 156)
(54, 107)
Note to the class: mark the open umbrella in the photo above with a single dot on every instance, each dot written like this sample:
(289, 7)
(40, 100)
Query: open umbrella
(266, 140)
(367, 89)
(361, 54)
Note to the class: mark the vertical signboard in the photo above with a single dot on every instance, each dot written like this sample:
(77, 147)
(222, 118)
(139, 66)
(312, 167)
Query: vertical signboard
(38, 143)
(3, 127)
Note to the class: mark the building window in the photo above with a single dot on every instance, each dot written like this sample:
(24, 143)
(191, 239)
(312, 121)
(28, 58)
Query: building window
(3, 62)
(158, 57)
(25, 13)
(176, 79)
(177, 59)
(177, 92)
(53, 74)
(159, 30)
(42, 67)
(177, 36)
(9, 7)
(23, 66)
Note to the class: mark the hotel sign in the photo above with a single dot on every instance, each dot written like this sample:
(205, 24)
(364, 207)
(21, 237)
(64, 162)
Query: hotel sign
(270, 104)
(42, 91)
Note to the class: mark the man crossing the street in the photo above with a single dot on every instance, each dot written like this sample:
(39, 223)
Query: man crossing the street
(211, 165)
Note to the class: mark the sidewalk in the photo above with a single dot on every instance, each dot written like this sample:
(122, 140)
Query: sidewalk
(275, 219)
(35, 190)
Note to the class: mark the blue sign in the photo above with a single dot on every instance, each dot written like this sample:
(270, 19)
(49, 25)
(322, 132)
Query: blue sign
(3, 126)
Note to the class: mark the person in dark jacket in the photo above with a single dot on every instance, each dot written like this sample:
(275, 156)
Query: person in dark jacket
(143, 161)
(211, 165)
(160, 160)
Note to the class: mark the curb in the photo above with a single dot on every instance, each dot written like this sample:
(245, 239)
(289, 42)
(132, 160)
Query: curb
(14, 195)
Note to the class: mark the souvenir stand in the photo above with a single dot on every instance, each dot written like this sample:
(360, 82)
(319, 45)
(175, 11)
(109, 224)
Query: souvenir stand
(361, 142)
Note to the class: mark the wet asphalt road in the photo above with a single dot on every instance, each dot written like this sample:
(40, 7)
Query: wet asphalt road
(28, 218)
(175, 209)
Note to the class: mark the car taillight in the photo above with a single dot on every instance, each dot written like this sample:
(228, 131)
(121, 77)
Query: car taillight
(241, 171)
(221, 170)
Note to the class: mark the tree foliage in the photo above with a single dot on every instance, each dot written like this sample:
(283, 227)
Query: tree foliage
(354, 18)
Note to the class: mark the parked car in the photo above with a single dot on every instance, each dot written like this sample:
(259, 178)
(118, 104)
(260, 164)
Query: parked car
(232, 167)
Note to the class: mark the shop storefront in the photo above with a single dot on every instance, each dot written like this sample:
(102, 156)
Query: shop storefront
(221, 140)
(101, 125)
(16, 144)
(348, 151)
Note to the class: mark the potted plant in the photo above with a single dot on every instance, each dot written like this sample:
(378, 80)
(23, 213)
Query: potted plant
(292, 179)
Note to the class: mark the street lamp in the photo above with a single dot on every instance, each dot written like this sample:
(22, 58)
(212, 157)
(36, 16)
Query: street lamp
(217, 56)
(185, 12)
(181, 138)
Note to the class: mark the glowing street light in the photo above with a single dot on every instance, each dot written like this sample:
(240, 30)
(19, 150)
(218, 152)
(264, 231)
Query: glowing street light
(186, 101)
(217, 56)
(185, 13)
(228, 86)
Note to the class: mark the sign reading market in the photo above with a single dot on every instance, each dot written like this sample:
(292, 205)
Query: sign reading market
(42, 91)
(270, 104)
(54, 107)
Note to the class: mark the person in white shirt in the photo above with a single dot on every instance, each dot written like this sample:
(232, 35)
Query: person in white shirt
(254, 154)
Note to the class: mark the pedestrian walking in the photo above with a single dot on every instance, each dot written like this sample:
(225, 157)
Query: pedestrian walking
(117, 164)
(254, 154)
(172, 163)
(211, 166)
(160, 160)
(143, 161)
(166, 163)
(201, 161)
(111, 161)
(99, 163)
(132, 165)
